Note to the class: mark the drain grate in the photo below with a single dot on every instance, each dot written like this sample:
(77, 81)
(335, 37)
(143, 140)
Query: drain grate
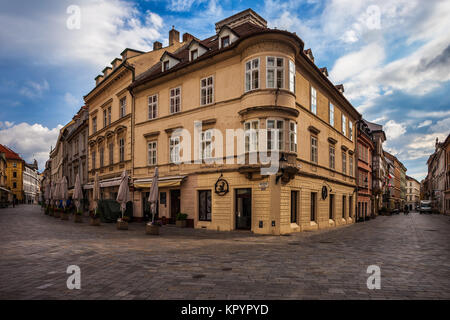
(198, 276)
(431, 230)
(294, 243)
(227, 269)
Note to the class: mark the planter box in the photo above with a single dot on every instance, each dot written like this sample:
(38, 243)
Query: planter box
(78, 218)
(181, 223)
(94, 221)
(122, 225)
(64, 216)
(149, 229)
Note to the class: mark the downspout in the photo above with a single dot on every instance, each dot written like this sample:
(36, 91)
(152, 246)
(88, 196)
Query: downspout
(129, 67)
(357, 170)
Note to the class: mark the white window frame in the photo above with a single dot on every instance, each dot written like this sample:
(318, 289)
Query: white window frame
(205, 89)
(331, 114)
(105, 117)
(332, 156)
(174, 149)
(344, 125)
(102, 156)
(152, 106)
(350, 163)
(121, 149)
(250, 72)
(109, 115)
(275, 68)
(205, 147)
(313, 101)
(251, 132)
(344, 162)
(94, 124)
(111, 153)
(292, 136)
(280, 146)
(350, 130)
(174, 98)
(292, 76)
(152, 153)
(314, 149)
(123, 106)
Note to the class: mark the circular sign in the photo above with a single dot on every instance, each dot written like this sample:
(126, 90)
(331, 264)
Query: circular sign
(324, 192)
(221, 187)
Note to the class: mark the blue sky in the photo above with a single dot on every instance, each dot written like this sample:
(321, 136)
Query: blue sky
(393, 58)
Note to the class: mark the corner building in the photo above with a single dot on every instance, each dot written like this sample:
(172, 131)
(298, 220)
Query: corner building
(246, 76)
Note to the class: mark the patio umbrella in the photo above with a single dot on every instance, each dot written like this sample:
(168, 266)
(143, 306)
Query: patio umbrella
(124, 192)
(47, 191)
(77, 193)
(96, 191)
(153, 196)
(55, 192)
(63, 191)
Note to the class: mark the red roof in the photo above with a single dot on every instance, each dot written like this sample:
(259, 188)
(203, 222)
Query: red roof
(9, 153)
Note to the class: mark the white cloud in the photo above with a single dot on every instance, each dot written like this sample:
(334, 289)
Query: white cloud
(30, 141)
(428, 114)
(394, 130)
(107, 27)
(181, 5)
(425, 123)
(71, 100)
(34, 89)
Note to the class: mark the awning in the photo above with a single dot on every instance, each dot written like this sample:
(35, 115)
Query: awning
(1, 188)
(173, 181)
(104, 183)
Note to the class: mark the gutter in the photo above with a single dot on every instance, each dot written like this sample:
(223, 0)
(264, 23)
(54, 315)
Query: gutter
(133, 76)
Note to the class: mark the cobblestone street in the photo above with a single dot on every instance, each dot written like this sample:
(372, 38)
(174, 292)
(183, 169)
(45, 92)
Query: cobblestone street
(412, 251)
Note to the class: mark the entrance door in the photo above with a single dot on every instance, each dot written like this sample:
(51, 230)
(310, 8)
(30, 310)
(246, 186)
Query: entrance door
(174, 204)
(243, 210)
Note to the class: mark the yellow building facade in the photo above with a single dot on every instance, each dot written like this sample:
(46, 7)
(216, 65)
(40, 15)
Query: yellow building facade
(14, 172)
(245, 76)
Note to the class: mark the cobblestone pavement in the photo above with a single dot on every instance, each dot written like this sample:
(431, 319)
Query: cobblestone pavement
(412, 251)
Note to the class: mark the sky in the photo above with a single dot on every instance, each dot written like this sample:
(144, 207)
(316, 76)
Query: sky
(393, 58)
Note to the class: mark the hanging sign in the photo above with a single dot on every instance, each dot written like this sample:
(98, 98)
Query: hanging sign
(221, 187)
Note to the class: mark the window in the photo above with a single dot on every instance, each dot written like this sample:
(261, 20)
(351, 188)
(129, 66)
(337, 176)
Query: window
(292, 136)
(332, 157)
(111, 153)
(194, 54)
(207, 91)
(275, 72)
(166, 65)
(105, 118)
(204, 205)
(121, 149)
(331, 209)
(225, 41)
(14, 164)
(153, 106)
(206, 144)
(252, 75)
(174, 149)
(314, 154)
(152, 153)
(251, 135)
(14, 174)
(331, 114)
(175, 100)
(93, 159)
(292, 76)
(294, 206)
(313, 100)
(350, 160)
(350, 130)
(102, 153)
(344, 203)
(94, 124)
(313, 206)
(123, 106)
(344, 125)
(14, 185)
(344, 162)
(109, 115)
(271, 126)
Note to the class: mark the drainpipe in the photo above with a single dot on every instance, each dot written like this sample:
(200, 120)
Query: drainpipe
(357, 170)
(131, 68)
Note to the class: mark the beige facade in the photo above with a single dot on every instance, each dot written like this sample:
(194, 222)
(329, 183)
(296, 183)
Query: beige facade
(271, 205)
(412, 193)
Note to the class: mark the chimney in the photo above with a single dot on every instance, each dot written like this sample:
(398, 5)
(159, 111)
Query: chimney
(174, 36)
(324, 70)
(340, 87)
(187, 37)
(157, 45)
(308, 52)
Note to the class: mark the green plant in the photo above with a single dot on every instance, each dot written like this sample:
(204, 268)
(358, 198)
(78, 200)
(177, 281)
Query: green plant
(182, 216)
(124, 219)
(79, 212)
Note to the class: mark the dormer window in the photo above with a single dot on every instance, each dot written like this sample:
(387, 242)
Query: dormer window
(225, 41)
(166, 65)
(194, 54)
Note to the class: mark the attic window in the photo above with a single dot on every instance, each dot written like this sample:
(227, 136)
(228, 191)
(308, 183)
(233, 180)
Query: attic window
(166, 65)
(194, 54)
(225, 41)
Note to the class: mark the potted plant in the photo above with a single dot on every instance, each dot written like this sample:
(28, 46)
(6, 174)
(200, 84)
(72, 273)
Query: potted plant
(57, 213)
(95, 218)
(181, 220)
(47, 210)
(51, 211)
(65, 214)
(78, 217)
(153, 227)
(122, 223)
